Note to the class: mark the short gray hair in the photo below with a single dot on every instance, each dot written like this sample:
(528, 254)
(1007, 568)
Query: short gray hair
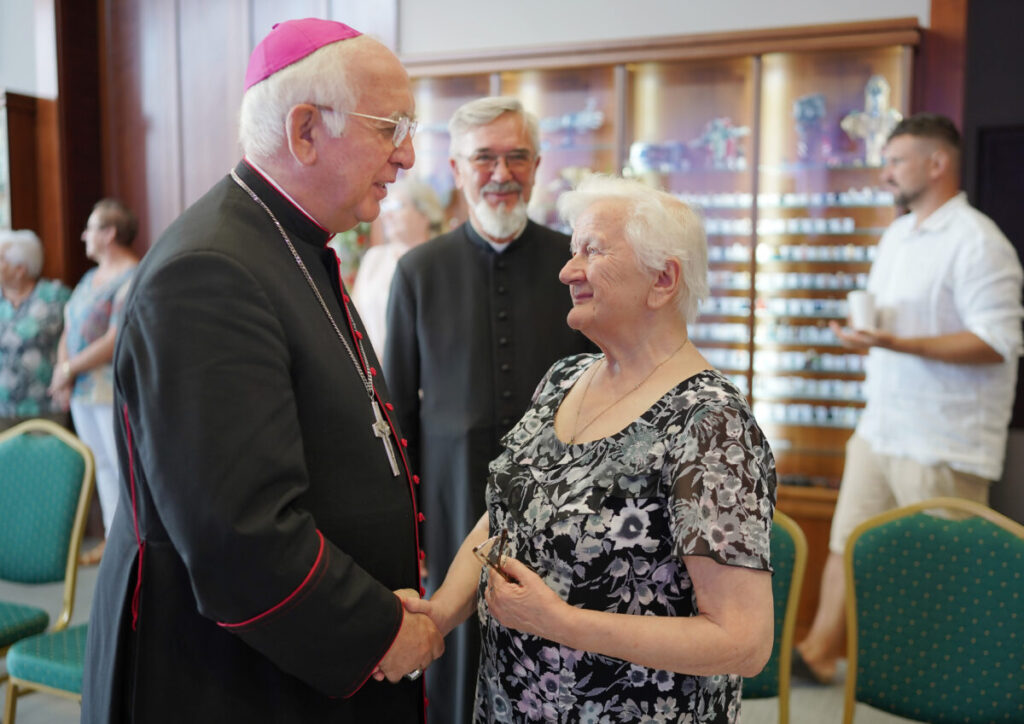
(486, 110)
(321, 78)
(422, 196)
(22, 248)
(658, 227)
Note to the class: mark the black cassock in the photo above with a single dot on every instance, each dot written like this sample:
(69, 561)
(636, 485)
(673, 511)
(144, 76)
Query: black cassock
(260, 530)
(475, 330)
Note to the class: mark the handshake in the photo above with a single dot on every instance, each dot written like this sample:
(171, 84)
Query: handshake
(418, 644)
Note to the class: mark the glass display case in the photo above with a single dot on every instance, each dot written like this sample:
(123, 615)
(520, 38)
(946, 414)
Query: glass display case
(820, 212)
(780, 151)
(689, 131)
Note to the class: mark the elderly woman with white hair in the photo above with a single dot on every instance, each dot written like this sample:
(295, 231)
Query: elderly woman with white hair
(31, 322)
(626, 541)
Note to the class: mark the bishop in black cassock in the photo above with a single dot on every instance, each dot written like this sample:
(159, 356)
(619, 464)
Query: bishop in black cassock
(475, 330)
(219, 309)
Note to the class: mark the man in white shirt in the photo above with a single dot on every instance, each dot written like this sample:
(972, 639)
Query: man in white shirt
(942, 364)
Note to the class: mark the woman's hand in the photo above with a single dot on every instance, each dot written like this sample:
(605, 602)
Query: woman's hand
(60, 380)
(529, 606)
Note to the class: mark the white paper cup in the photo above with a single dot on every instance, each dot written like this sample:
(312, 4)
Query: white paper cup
(861, 310)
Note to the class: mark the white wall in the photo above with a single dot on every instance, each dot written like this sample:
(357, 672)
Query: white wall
(449, 26)
(17, 46)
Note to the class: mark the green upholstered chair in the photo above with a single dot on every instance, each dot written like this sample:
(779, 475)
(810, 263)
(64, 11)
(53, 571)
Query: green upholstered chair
(935, 614)
(46, 485)
(789, 560)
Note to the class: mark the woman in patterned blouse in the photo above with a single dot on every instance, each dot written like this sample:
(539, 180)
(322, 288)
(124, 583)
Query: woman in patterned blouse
(630, 511)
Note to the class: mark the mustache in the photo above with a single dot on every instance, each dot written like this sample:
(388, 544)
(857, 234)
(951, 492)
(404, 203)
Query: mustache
(502, 188)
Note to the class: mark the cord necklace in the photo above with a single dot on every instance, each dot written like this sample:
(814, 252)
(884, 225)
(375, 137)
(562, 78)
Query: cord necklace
(577, 431)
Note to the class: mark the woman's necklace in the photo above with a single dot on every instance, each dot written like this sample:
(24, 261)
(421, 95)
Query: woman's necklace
(577, 431)
(380, 428)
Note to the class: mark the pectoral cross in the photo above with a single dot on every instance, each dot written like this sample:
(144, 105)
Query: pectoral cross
(382, 430)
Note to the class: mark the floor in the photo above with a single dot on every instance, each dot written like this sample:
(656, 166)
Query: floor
(808, 704)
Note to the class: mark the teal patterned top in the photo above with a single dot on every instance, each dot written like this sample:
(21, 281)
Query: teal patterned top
(29, 334)
(90, 312)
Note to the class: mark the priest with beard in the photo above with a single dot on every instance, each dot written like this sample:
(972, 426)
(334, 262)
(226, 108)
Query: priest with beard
(475, 318)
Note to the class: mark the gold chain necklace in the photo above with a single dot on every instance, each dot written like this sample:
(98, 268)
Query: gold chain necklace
(577, 431)
(380, 427)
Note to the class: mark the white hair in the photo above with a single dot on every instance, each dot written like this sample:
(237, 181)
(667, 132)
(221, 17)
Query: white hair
(658, 227)
(485, 110)
(22, 248)
(422, 197)
(321, 78)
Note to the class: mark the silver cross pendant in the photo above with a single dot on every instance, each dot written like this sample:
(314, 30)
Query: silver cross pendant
(382, 430)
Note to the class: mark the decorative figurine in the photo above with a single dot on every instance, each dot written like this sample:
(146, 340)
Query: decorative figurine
(874, 123)
(809, 114)
(658, 157)
(721, 141)
(588, 119)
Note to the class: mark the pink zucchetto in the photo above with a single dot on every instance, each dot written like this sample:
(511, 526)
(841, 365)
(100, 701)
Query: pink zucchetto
(290, 41)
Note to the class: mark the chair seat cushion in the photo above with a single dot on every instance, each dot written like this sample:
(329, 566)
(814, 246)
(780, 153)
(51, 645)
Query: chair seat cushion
(18, 621)
(55, 659)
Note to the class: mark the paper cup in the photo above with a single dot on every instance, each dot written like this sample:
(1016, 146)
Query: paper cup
(861, 310)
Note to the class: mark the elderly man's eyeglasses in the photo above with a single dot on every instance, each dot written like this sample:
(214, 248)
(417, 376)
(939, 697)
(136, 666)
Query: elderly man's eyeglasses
(516, 161)
(492, 552)
(404, 126)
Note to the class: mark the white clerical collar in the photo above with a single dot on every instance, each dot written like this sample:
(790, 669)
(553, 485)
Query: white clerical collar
(270, 180)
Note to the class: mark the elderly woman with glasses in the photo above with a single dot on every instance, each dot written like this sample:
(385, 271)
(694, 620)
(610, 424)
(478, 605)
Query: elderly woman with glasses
(629, 513)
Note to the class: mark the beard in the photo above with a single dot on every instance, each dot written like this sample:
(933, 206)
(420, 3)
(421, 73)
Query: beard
(500, 222)
(905, 198)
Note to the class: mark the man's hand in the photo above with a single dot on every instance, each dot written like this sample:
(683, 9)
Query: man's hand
(418, 643)
(859, 339)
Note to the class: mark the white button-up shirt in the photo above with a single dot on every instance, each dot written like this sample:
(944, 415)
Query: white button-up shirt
(957, 271)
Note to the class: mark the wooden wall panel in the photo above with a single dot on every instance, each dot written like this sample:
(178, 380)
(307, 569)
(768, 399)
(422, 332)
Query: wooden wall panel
(79, 110)
(52, 225)
(142, 129)
(213, 50)
(939, 71)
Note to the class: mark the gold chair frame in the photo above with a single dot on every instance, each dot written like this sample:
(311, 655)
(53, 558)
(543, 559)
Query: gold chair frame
(17, 687)
(792, 605)
(969, 507)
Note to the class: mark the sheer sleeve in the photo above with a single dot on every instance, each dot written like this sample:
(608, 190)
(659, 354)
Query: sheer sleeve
(723, 484)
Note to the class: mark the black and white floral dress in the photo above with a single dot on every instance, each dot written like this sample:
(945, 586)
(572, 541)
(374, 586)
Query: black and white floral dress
(605, 524)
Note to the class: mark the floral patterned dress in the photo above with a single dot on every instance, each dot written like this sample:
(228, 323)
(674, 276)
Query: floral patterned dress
(605, 524)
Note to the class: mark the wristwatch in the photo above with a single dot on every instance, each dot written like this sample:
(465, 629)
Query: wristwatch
(65, 368)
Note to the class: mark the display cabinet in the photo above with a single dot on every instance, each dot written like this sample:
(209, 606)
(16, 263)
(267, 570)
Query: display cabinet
(820, 212)
(775, 136)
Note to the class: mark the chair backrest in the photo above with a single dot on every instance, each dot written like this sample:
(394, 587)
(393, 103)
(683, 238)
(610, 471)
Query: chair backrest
(935, 614)
(789, 561)
(46, 483)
